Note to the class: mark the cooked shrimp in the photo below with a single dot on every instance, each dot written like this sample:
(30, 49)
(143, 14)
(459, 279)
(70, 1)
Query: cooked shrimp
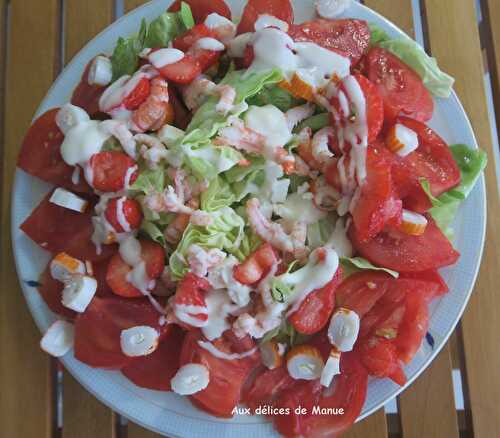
(267, 230)
(170, 201)
(325, 197)
(195, 93)
(173, 232)
(152, 113)
(152, 149)
(201, 260)
(319, 145)
(201, 218)
(227, 97)
(120, 131)
(296, 115)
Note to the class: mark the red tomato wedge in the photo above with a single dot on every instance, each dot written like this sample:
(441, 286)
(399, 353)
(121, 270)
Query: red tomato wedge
(87, 96)
(157, 369)
(414, 326)
(401, 88)
(40, 154)
(202, 8)
(377, 204)
(315, 311)
(432, 276)
(281, 9)
(98, 329)
(256, 266)
(360, 292)
(380, 358)
(266, 386)
(58, 229)
(51, 292)
(227, 377)
(374, 107)
(432, 160)
(116, 276)
(403, 253)
(349, 37)
(347, 393)
(109, 171)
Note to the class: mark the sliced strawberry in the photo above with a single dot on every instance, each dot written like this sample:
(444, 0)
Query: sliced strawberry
(374, 107)
(185, 41)
(256, 266)
(109, 170)
(182, 72)
(117, 273)
(191, 292)
(131, 212)
(138, 95)
(202, 8)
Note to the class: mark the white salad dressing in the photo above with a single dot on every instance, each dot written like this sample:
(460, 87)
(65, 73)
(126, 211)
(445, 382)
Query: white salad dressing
(163, 57)
(82, 141)
(298, 207)
(210, 44)
(219, 307)
(266, 20)
(270, 122)
(339, 240)
(214, 351)
(120, 215)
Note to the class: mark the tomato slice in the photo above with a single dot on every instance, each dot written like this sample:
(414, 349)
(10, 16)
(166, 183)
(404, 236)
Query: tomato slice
(432, 160)
(380, 358)
(51, 292)
(377, 204)
(281, 9)
(315, 311)
(227, 377)
(361, 291)
(401, 87)
(266, 386)
(348, 392)
(87, 96)
(403, 253)
(40, 154)
(349, 37)
(374, 107)
(98, 329)
(202, 8)
(432, 276)
(57, 229)
(157, 369)
(185, 41)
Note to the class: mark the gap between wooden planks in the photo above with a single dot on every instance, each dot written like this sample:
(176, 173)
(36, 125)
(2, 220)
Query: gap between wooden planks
(83, 415)
(454, 40)
(25, 372)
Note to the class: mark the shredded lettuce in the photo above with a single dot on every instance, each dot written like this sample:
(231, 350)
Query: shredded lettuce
(153, 232)
(248, 245)
(162, 30)
(277, 96)
(225, 232)
(315, 122)
(410, 52)
(471, 163)
(218, 195)
(150, 181)
(207, 121)
(319, 232)
(351, 265)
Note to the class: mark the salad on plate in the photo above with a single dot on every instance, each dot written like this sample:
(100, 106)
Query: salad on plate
(249, 212)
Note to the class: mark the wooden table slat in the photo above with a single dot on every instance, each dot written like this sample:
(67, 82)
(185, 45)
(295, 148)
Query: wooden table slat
(84, 415)
(132, 4)
(427, 408)
(401, 14)
(460, 55)
(492, 15)
(375, 426)
(136, 431)
(26, 402)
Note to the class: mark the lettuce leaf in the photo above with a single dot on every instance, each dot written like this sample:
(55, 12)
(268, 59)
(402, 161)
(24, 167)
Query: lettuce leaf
(208, 161)
(125, 57)
(207, 121)
(471, 163)
(186, 16)
(277, 96)
(315, 122)
(319, 232)
(410, 52)
(153, 232)
(226, 233)
(249, 244)
(217, 196)
(150, 181)
(351, 265)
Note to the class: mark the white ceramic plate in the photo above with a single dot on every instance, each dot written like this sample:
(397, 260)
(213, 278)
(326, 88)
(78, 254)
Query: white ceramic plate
(168, 413)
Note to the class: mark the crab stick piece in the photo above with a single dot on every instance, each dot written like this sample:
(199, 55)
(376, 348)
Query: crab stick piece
(413, 224)
(63, 266)
(299, 88)
(331, 8)
(190, 379)
(332, 368)
(66, 199)
(78, 292)
(139, 341)
(304, 362)
(344, 329)
(58, 339)
(101, 71)
(272, 354)
(69, 116)
(401, 140)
